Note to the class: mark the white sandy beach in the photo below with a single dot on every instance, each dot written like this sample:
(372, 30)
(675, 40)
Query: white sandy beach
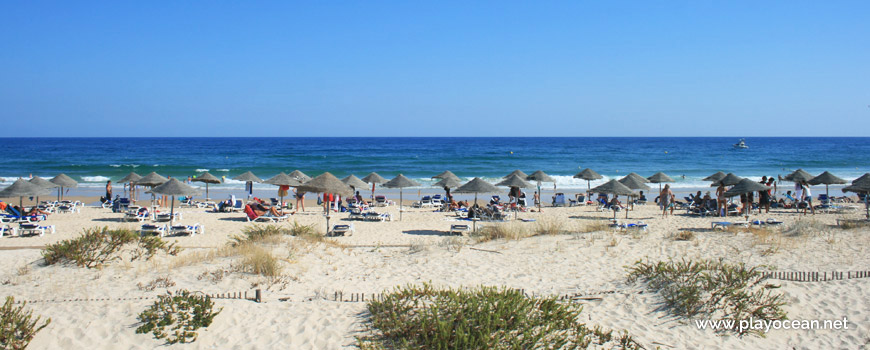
(298, 311)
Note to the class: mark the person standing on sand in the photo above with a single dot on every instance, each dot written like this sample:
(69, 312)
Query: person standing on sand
(666, 200)
(721, 201)
(109, 190)
(808, 196)
(300, 200)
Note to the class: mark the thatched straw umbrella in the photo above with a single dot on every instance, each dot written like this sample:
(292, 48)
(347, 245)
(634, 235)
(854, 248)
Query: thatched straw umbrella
(63, 181)
(729, 180)
(354, 182)
(660, 178)
(151, 180)
(374, 179)
(799, 176)
(861, 178)
(861, 185)
(282, 179)
(588, 175)
(401, 182)
(448, 183)
(445, 174)
(38, 181)
(131, 178)
(517, 172)
(326, 183)
(21, 189)
(173, 188)
(634, 183)
(207, 179)
(827, 179)
(715, 177)
(539, 176)
(300, 176)
(615, 188)
(476, 185)
(249, 178)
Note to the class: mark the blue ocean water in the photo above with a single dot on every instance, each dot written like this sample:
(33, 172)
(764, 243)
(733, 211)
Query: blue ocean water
(94, 160)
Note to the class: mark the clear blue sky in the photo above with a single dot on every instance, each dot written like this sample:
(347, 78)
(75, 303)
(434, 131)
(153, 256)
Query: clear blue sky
(435, 68)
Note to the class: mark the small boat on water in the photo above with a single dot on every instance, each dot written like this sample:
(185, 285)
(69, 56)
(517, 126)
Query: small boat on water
(741, 144)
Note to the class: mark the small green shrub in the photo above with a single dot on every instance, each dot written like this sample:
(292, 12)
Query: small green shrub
(299, 230)
(423, 317)
(17, 326)
(712, 289)
(99, 246)
(259, 234)
(176, 318)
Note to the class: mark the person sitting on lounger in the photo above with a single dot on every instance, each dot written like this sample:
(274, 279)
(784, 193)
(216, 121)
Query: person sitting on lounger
(360, 200)
(260, 209)
(33, 211)
(615, 204)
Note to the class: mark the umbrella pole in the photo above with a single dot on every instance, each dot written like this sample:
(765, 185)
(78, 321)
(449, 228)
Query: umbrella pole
(206, 191)
(172, 211)
(400, 204)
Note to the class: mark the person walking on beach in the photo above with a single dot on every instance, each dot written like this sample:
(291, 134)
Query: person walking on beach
(109, 190)
(721, 201)
(667, 199)
(300, 200)
(808, 197)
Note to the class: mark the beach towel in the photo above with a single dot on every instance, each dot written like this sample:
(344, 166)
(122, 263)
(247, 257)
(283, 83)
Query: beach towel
(250, 213)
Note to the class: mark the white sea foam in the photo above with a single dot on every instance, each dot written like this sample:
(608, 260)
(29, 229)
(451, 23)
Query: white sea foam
(201, 170)
(95, 178)
(223, 170)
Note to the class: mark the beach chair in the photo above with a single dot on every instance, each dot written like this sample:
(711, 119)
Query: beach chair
(769, 221)
(25, 229)
(424, 202)
(372, 216)
(436, 201)
(341, 230)
(164, 217)
(139, 215)
(458, 229)
(381, 201)
(189, 230)
(726, 224)
(151, 229)
(559, 200)
(8, 230)
(640, 226)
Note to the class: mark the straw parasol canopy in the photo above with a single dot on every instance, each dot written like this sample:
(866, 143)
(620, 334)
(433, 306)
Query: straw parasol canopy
(637, 177)
(326, 183)
(827, 179)
(401, 182)
(298, 175)
(540, 176)
(633, 183)
(63, 181)
(445, 174)
(152, 179)
(131, 177)
(745, 186)
(515, 181)
(588, 175)
(517, 172)
(248, 177)
(615, 188)
(729, 180)
(173, 188)
(799, 176)
(861, 178)
(354, 182)
(715, 177)
(21, 189)
(659, 178)
(282, 179)
(374, 179)
(207, 179)
(38, 181)
(477, 185)
(861, 185)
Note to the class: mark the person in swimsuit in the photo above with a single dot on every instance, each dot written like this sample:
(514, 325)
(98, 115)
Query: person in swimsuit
(300, 200)
(721, 201)
(667, 200)
(109, 190)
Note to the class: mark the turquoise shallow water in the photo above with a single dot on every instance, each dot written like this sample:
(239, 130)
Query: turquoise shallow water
(94, 160)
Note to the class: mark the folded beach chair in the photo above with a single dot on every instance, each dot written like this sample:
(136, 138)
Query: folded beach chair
(25, 229)
(458, 229)
(151, 229)
(341, 230)
(8, 230)
(189, 230)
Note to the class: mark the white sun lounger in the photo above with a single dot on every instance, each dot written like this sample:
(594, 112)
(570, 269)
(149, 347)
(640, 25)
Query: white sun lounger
(8, 230)
(459, 229)
(341, 230)
(25, 229)
(151, 229)
(189, 230)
